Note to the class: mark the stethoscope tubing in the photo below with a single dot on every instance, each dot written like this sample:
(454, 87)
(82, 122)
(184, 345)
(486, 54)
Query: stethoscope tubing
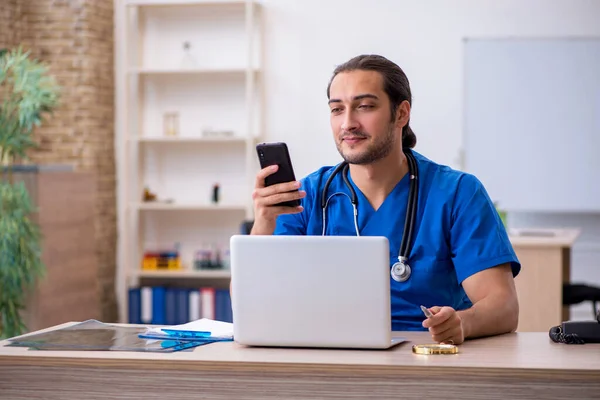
(411, 210)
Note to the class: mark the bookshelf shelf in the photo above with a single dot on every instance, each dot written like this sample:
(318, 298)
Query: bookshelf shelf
(192, 71)
(192, 274)
(189, 113)
(184, 3)
(160, 206)
(192, 140)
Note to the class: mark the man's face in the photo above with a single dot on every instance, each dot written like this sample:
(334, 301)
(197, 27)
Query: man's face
(361, 117)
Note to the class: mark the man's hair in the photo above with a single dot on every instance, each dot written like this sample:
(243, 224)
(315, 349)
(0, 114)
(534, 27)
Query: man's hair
(395, 85)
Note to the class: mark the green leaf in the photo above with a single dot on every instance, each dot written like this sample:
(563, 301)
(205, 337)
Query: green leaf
(20, 255)
(27, 93)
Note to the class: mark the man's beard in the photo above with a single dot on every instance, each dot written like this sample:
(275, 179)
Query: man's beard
(374, 152)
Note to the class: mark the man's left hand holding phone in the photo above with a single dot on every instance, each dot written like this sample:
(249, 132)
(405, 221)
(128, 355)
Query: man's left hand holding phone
(276, 190)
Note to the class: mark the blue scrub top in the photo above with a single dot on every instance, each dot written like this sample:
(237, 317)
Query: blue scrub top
(457, 233)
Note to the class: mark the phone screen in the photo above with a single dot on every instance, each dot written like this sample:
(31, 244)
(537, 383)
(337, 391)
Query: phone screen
(277, 154)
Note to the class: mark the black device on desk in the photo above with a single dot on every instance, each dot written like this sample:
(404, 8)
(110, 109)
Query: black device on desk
(277, 154)
(577, 332)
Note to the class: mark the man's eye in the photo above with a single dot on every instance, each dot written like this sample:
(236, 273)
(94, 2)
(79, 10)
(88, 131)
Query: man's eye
(335, 110)
(365, 106)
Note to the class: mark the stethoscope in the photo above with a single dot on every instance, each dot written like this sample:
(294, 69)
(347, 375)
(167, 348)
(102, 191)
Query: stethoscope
(400, 271)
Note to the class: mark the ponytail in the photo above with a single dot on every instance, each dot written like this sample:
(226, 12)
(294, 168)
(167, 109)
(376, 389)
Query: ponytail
(409, 139)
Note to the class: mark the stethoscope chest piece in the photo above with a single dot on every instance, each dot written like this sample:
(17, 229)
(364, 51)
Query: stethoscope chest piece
(400, 271)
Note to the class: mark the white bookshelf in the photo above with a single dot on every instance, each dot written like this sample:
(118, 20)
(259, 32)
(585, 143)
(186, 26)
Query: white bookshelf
(220, 91)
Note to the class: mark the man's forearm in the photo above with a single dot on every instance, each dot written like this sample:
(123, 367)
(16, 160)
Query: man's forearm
(492, 315)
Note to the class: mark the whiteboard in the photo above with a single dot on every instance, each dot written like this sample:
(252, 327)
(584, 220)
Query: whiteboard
(532, 122)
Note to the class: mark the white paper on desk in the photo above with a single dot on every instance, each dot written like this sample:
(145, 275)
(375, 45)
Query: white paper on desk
(217, 329)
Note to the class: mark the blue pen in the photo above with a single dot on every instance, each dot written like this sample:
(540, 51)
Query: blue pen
(427, 313)
(175, 338)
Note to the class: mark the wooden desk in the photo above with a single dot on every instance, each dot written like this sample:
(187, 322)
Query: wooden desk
(518, 365)
(546, 265)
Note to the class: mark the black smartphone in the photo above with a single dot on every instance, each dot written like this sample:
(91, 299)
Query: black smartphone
(277, 154)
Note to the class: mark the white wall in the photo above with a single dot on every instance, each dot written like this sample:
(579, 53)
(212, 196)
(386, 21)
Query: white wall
(306, 39)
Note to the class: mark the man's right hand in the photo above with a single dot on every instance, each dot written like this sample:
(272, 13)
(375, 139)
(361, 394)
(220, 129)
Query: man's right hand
(265, 198)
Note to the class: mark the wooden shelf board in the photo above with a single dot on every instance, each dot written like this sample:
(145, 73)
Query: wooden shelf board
(160, 206)
(190, 139)
(179, 3)
(174, 274)
(190, 71)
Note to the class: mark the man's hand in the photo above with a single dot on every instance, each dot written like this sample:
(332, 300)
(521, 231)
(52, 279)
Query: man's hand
(445, 325)
(265, 212)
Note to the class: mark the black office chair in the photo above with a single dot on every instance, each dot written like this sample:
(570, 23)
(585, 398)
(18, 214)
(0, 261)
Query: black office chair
(246, 227)
(578, 293)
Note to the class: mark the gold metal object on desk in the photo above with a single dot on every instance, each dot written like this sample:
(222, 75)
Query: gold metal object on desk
(435, 349)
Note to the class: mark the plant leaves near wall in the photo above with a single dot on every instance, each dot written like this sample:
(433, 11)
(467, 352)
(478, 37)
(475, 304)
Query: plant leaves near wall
(27, 92)
(20, 254)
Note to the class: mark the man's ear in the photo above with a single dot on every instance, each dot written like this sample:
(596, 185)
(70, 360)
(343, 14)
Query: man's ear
(403, 114)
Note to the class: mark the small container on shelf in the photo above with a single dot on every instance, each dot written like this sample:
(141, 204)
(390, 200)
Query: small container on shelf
(168, 259)
(215, 193)
(188, 61)
(148, 195)
(226, 259)
(210, 258)
(216, 259)
(171, 123)
(153, 261)
(203, 259)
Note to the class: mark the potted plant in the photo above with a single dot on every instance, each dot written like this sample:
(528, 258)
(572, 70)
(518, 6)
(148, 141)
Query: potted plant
(27, 92)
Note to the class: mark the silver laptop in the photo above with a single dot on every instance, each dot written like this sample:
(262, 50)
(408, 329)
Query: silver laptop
(311, 291)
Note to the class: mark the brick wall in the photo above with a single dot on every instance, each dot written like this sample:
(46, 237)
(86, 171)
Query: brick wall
(75, 37)
(10, 22)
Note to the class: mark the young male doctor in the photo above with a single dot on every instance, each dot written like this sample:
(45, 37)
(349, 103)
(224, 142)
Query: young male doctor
(462, 264)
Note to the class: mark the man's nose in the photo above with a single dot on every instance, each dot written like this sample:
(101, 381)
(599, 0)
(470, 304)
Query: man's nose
(349, 123)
